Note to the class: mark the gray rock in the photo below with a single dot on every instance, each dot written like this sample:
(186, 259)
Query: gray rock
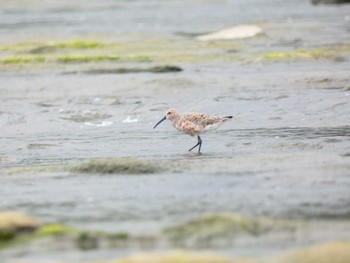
(315, 2)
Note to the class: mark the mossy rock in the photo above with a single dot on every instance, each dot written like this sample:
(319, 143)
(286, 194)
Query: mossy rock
(122, 165)
(298, 54)
(335, 252)
(226, 226)
(181, 257)
(55, 230)
(156, 69)
(116, 166)
(14, 226)
(70, 58)
(83, 240)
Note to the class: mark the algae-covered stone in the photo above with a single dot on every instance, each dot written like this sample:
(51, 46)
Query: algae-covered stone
(55, 229)
(181, 257)
(56, 234)
(298, 54)
(226, 226)
(116, 166)
(156, 69)
(122, 165)
(335, 252)
(14, 223)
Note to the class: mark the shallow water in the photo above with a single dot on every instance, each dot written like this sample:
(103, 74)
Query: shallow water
(284, 155)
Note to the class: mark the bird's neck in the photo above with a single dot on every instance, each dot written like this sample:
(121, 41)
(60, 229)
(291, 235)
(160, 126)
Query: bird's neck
(175, 121)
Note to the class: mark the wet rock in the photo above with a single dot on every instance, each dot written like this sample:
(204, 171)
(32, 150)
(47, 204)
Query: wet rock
(315, 2)
(298, 54)
(13, 224)
(156, 69)
(18, 230)
(40, 146)
(237, 32)
(120, 165)
(336, 252)
(116, 166)
(181, 256)
(87, 241)
(42, 50)
(222, 226)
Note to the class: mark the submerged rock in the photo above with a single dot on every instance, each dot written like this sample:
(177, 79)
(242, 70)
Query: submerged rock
(17, 229)
(120, 165)
(156, 69)
(237, 32)
(222, 226)
(315, 2)
(115, 166)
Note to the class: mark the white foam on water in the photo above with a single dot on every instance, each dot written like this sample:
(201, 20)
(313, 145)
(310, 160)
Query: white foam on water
(100, 124)
(130, 119)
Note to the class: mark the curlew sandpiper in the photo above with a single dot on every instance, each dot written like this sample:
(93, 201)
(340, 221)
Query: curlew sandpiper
(193, 123)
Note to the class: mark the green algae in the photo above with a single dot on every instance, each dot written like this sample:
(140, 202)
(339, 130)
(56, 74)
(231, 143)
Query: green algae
(227, 226)
(22, 59)
(120, 165)
(82, 58)
(116, 166)
(158, 50)
(70, 58)
(83, 239)
(18, 229)
(298, 54)
(80, 239)
(328, 52)
(79, 44)
(55, 229)
(156, 69)
(147, 50)
(54, 46)
(119, 236)
(24, 46)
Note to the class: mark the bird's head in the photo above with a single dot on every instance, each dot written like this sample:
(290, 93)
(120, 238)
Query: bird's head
(170, 115)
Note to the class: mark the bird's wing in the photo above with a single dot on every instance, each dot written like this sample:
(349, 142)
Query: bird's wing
(201, 119)
(195, 118)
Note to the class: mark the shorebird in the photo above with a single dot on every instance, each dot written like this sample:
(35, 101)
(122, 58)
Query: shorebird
(193, 123)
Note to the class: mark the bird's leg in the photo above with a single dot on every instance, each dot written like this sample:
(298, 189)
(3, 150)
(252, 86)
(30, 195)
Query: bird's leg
(199, 143)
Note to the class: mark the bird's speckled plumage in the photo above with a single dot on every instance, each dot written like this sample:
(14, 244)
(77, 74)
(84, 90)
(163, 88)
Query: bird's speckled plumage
(193, 123)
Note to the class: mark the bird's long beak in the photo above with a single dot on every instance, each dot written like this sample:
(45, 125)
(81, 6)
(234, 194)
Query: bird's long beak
(159, 122)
